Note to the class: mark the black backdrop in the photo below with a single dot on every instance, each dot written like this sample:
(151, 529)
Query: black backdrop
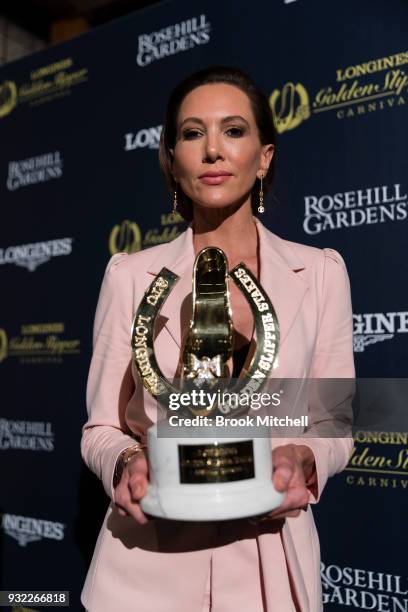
(79, 180)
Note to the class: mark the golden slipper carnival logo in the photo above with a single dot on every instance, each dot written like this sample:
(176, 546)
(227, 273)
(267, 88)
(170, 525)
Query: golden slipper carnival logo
(3, 345)
(8, 97)
(126, 237)
(42, 85)
(290, 106)
(379, 459)
(38, 343)
(374, 85)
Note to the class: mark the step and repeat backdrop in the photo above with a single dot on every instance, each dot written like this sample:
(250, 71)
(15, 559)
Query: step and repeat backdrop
(79, 180)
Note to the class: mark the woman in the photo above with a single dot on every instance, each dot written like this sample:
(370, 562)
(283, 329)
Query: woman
(216, 151)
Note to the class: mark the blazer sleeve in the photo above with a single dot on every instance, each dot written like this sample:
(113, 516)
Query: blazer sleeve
(332, 377)
(110, 384)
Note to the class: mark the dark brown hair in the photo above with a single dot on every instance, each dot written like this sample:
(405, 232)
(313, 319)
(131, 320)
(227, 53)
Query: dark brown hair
(260, 108)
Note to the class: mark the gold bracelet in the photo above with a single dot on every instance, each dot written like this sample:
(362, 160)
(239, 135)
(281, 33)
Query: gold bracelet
(123, 459)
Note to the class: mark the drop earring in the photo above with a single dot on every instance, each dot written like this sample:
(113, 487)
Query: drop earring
(175, 201)
(261, 194)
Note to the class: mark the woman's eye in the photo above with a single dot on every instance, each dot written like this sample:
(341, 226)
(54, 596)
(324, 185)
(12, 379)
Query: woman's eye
(189, 134)
(236, 131)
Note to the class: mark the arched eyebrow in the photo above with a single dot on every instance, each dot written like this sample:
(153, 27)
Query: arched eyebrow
(224, 120)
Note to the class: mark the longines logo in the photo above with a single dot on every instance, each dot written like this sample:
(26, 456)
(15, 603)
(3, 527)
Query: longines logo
(26, 529)
(363, 589)
(146, 138)
(379, 459)
(173, 39)
(370, 328)
(26, 435)
(127, 237)
(359, 90)
(43, 85)
(33, 170)
(35, 254)
(38, 343)
(366, 206)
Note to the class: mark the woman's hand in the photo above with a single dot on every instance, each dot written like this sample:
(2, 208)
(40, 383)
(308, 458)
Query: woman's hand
(293, 467)
(132, 487)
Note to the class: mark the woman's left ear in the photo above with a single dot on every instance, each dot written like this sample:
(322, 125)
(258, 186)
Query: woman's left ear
(267, 155)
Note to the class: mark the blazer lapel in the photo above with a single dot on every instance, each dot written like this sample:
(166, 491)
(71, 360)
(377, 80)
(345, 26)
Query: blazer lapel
(280, 279)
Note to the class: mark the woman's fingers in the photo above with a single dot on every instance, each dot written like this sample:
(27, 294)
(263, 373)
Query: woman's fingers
(284, 467)
(282, 475)
(296, 498)
(137, 513)
(289, 477)
(137, 465)
(128, 506)
(137, 486)
(132, 488)
(134, 511)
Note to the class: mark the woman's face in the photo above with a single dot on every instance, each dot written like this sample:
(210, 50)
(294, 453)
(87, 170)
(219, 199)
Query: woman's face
(216, 132)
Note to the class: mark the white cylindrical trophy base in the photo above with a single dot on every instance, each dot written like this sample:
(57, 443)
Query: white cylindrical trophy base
(170, 497)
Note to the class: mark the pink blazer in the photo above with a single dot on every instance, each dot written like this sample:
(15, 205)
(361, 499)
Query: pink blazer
(174, 566)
